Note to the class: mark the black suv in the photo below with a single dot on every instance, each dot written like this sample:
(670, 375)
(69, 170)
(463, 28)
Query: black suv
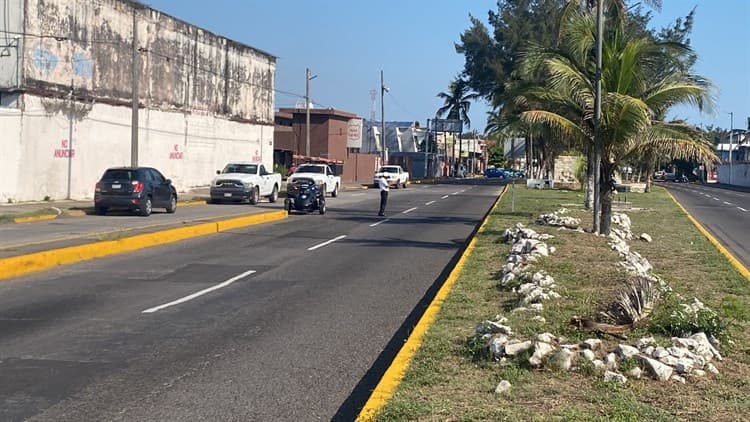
(134, 188)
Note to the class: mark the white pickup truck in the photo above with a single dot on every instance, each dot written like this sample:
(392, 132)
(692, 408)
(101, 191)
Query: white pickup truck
(395, 175)
(245, 181)
(323, 176)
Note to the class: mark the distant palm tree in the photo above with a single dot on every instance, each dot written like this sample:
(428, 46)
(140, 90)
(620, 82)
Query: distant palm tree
(457, 103)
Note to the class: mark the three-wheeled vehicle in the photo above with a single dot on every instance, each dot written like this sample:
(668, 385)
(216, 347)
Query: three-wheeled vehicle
(305, 196)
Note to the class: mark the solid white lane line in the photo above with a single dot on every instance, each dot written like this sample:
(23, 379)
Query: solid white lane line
(326, 243)
(716, 199)
(379, 222)
(444, 196)
(727, 203)
(410, 210)
(430, 203)
(357, 194)
(742, 209)
(455, 193)
(200, 293)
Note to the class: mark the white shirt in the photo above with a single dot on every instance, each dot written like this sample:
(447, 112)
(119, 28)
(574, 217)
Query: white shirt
(383, 184)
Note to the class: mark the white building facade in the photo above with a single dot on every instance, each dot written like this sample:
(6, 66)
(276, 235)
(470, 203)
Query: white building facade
(66, 84)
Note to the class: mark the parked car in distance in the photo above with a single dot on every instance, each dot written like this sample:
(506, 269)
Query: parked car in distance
(321, 174)
(138, 189)
(245, 181)
(396, 176)
(495, 172)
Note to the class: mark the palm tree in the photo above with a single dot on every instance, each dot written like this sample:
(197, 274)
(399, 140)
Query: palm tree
(636, 93)
(457, 102)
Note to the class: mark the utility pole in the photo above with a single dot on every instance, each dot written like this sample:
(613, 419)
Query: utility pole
(308, 78)
(731, 129)
(70, 118)
(134, 90)
(598, 115)
(383, 90)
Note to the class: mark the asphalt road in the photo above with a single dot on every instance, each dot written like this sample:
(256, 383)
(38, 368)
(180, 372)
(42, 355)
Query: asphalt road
(723, 212)
(294, 320)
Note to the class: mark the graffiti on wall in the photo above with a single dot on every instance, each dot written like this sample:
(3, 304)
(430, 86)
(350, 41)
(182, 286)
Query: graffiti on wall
(175, 154)
(44, 60)
(64, 151)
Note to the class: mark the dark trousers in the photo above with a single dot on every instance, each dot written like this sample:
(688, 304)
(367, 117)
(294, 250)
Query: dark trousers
(383, 201)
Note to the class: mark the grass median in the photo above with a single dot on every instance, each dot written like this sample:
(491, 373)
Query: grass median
(448, 380)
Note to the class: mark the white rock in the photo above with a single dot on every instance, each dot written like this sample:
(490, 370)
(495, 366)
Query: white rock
(705, 347)
(562, 360)
(669, 360)
(546, 338)
(588, 354)
(677, 378)
(598, 364)
(698, 373)
(644, 342)
(677, 352)
(541, 350)
(538, 307)
(712, 369)
(635, 372)
(500, 319)
(610, 361)
(657, 369)
(493, 327)
(539, 318)
(512, 348)
(625, 351)
(646, 237)
(649, 350)
(526, 288)
(660, 352)
(507, 279)
(552, 249)
(610, 376)
(503, 387)
(497, 345)
(592, 343)
(684, 365)
(519, 309)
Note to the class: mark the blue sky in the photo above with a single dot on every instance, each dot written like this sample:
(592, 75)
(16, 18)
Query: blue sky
(347, 43)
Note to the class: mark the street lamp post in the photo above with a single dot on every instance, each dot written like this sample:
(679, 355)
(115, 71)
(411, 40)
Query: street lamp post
(308, 78)
(383, 90)
(731, 129)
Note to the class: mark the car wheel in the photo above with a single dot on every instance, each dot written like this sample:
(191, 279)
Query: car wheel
(101, 210)
(322, 207)
(274, 194)
(397, 185)
(288, 206)
(255, 197)
(146, 205)
(404, 186)
(335, 192)
(323, 189)
(172, 207)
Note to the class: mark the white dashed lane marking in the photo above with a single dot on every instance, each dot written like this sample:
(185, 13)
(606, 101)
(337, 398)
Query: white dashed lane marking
(200, 293)
(430, 203)
(379, 222)
(410, 210)
(741, 209)
(326, 243)
(444, 196)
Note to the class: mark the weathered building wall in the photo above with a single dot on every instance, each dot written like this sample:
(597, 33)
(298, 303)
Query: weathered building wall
(204, 100)
(187, 148)
(11, 44)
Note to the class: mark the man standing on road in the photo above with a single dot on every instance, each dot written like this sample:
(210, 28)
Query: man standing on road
(383, 184)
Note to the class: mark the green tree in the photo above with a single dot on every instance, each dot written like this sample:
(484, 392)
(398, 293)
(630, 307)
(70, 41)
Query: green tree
(636, 91)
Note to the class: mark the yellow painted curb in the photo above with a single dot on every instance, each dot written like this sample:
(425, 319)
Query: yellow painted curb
(25, 264)
(395, 372)
(734, 261)
(21, 220)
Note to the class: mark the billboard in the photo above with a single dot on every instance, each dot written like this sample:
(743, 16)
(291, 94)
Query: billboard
(354, 134)
(447, 125)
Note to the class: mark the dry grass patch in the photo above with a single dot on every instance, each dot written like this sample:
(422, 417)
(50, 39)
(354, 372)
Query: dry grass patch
(448, 380)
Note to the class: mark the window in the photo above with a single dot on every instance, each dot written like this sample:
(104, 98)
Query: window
(156, 176)
(263, 171)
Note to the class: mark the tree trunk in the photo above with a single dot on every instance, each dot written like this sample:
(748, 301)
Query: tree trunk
(589, 199)
(649, 174)
(605, 193)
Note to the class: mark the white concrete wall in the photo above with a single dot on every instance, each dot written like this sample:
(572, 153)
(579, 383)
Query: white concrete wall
(740, 174)
(187, 148)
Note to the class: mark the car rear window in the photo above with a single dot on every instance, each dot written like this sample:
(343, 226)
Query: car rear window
(119, 174)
